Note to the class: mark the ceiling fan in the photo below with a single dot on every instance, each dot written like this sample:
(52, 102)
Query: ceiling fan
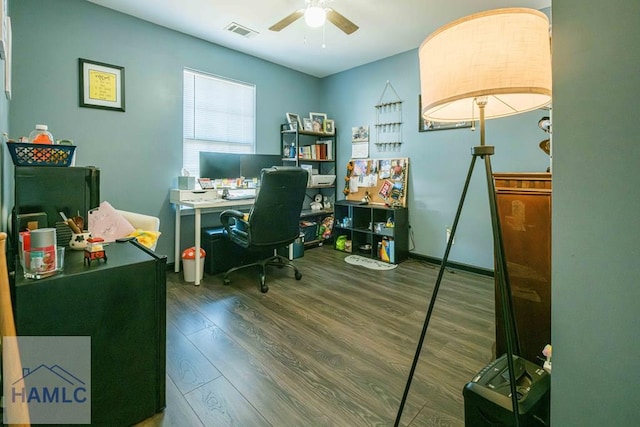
(315, 15)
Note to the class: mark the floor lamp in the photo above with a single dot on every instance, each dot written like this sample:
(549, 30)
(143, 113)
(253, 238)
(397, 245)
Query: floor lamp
(487, 65)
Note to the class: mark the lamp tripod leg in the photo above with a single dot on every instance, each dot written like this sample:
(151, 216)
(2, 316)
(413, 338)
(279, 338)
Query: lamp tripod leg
(435, 292)
(504, 289)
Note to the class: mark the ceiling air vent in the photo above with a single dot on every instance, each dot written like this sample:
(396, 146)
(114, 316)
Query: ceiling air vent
(239, 29)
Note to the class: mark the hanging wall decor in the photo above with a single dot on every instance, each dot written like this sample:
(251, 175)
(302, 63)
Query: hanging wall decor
(389, 120)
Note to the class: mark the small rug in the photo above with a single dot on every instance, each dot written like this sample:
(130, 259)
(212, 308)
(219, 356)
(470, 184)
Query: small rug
(369, 263)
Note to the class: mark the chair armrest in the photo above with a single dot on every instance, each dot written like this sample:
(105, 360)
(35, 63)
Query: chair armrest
(232, 217)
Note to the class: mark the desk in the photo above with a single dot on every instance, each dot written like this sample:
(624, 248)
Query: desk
(121, 305)
(217, 205)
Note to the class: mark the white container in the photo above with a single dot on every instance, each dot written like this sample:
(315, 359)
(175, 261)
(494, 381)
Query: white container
(41, 135)
(189, 264)
(189, 267)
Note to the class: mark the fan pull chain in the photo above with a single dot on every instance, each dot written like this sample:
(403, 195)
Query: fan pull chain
(323, 27)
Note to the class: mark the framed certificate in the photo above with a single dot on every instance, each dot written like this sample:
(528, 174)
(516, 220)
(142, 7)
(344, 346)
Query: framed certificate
(101, 85)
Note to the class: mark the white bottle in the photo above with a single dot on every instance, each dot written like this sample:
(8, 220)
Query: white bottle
(41, 135)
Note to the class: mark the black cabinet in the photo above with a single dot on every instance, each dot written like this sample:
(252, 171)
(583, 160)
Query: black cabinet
(370, 228)
(51, 190)
(121, 305)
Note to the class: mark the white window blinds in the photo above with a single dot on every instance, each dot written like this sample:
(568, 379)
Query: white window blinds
(219, 116)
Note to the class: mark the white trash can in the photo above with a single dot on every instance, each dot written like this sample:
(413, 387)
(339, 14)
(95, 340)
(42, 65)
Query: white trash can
(189, 264)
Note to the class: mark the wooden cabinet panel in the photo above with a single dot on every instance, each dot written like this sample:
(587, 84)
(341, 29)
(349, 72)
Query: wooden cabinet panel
(524, 207)
(121, 305)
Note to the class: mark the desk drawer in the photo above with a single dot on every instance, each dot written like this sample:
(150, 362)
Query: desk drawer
(177, 196)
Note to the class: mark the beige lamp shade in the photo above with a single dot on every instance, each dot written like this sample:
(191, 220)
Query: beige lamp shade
(502, 54)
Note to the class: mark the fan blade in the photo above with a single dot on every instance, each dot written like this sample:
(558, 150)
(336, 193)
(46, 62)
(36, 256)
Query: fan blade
(341, 22)
(287, 20)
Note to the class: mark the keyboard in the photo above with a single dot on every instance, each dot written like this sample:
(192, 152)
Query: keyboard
(240, 197)
(242, 194)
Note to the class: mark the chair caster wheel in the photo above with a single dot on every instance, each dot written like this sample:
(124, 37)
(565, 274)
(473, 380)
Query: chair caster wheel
(226, 282)
(264, 289)
(298, 275)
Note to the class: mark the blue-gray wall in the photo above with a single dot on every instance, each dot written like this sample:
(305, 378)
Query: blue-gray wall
(595, 212)
(439, 160)
(596, 273)
(139, 152)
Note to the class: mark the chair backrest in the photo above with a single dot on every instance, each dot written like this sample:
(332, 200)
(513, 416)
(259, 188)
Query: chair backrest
(274, 219)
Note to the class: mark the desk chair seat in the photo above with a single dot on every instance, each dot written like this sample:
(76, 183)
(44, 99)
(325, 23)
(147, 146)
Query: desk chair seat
(273, 222)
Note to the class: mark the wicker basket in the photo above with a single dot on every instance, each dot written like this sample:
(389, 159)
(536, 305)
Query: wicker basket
(27, 154)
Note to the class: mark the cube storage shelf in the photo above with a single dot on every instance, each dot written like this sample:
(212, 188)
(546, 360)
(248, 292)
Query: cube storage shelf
(363, 227)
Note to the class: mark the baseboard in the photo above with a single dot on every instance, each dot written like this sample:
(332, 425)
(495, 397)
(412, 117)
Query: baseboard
(431, 260)
(454, 265)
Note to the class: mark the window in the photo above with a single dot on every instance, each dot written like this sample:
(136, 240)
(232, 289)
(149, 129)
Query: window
(219, 116)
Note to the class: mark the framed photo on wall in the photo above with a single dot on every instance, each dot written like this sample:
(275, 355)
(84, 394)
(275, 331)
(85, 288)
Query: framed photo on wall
(101, 85)
(3, 30)
(427, 125)
(7, 58)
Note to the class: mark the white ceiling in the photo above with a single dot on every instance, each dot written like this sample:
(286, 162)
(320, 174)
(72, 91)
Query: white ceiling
(387, 27)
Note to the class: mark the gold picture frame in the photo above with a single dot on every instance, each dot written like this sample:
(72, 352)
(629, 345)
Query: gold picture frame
(101, 85)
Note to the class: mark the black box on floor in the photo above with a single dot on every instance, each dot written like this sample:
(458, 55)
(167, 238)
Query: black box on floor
(222, 254)
(293, 250)
(487, 398)
(310, 230)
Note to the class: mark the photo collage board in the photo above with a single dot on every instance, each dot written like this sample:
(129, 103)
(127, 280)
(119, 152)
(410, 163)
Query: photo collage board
(377, 181)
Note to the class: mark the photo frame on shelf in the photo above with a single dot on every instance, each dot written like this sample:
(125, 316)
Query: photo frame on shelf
(307, 124)
(317, 121)
(329, 127)
(427, 125)
(294, 121)
(101, 85)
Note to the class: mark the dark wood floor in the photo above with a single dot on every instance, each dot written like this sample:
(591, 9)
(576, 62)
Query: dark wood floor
(333, 349)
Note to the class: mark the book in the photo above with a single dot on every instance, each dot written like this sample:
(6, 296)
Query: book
(328, 148)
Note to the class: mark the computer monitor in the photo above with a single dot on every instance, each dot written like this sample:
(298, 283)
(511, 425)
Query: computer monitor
(234, 165)
(252, 164)
(220, 165)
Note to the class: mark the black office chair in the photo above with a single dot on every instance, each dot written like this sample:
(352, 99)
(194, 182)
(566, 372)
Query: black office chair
(274, 220)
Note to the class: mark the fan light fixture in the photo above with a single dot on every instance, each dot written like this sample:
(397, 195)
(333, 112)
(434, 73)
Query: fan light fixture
(315, 16)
